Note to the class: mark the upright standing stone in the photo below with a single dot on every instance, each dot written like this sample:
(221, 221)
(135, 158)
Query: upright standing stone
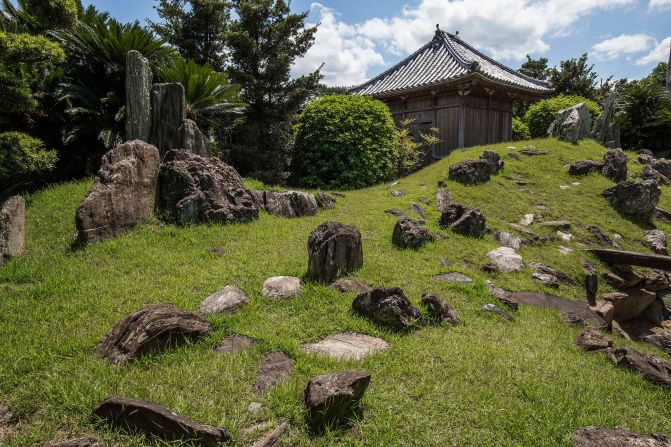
(12, 228)
(572, 124)
(168, 110)
(193, 139)
(334, 249)
(138, 96)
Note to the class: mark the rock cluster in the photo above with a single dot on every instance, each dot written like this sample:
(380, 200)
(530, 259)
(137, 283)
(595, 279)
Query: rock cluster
(334, 249)
(572, 124)
(464, 220)
(12, 228)
(410, 233)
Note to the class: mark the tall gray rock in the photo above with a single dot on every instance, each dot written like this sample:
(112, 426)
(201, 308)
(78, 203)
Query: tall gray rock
(334, 249)
(168, 112)
(138, 96)
(605, 130)
(12, 228)
(193, 139)
(572, 124)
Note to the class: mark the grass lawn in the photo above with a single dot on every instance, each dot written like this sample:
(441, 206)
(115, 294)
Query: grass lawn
(490, 382)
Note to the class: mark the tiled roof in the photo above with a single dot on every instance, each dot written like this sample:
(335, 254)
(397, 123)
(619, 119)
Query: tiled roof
(444, 59)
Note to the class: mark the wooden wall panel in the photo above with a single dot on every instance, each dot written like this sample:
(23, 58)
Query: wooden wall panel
(447, 122)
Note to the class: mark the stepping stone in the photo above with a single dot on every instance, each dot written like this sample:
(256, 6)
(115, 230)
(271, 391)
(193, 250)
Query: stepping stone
(496, 310)
(454, 277)
(78, 442)
(508, 240)
(235, 343)
(158, 421)
(273, 437)
(506, 259)
(347, 346)
(398, 193)
(282, 287)
(439, 310)
(578, 309)
(330, 398)
(227, 300)
(616, 437)
(276, 367)
(349, 285)
(514, 156)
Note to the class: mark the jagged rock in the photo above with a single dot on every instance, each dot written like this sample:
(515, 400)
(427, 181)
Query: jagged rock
(330, 398)
(154, 327)
(656, 240)
(347, 346)
(417, 209)
(282, 287)
(324, 201)
(464, 220)
(580, 311)
(12, 228)
(273, 437)
(491, 308)
(138, 96)
(615, 165)
(655, 280)
(227, 300)
(600, 237)
(276, 368)
(584, 167)
(655, 313)
(388, 307)
(630, 304)
(78, 442)
(458, 278)
(663, 166)
(123, 193)
(502, 295)
(194, 189)
(559, 276)
(527, 219)
(494, 160)
(572, 124)
(334, 249)
(168, 112)
(235, 343)
(605, 129)
(645, 158)
(410, 233)
(506, 259)
(192, 139)
(439, 310)
(637, 199)
(616, 437)
(652, 368)
(348, 285)
(288, 203)
(396, 213)
(591, 340)
(508, 240)
(443, 199)
(662, 340)
(158, 421)
(546, 279)
(470, 171)
(649, 173)
(605, 310)
(591, 281)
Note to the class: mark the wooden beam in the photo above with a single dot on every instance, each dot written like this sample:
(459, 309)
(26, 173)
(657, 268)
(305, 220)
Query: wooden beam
(660, 262)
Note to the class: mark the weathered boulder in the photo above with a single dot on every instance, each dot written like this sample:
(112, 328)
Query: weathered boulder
(572, 124)
(439, 310)
(464, 220)
(334, 249)
(630, 304)
(388, 307)
(12, 228)
(443, 199)
(470, 171)
(158, 421)
(506, 259)
(152, 328)
(591, 340)
(168, 112)
(637, 199)
(605, 310)
(652, 368)
(494, 160)
(347, 346)
(663, 166)
(329, 398)
(649, 173)
(123, 193)
(194, 189)
(288, 203)
(78, 442)
(276, 368)
(346, 285)
(662, 340)
(138, 96)
(282, 287)
(600, 237)
(324, 201)
(192, 139)
(410, 233)
(605, 129)
(616, 437)
(656, 240)
(508, 240)
(584, 167)
(227, 300)
(615, 165)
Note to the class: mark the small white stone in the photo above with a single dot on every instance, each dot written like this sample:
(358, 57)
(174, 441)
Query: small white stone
(506, 259)
(527, 220)
(511, 147)
(564, 236)
(617, 236)
(576, 183)
(227, 300)
(564, 187)
(565, 250)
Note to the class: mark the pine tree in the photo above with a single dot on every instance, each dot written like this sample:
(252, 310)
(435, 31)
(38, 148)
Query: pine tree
(264, 41)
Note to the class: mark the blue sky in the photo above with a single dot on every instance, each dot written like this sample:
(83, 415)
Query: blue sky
(359, 38)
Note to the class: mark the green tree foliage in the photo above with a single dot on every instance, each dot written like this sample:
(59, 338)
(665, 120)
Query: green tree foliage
(38, 16)
(645, 115)
(542, 113)
(536, 68)
(657, 76)
(577, 77)
(264, 41)
(22, 156)
(196, 28)
(520, 130)
(345, 141)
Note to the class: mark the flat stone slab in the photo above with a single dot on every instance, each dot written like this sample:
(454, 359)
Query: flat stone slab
(565, 306)
(235, 343)
(227, 300)
(281, 287)
(458, 278)
(347, 346)
(276, 367)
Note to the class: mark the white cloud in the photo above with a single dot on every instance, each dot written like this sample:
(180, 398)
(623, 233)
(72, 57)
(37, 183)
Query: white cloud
(660, 53)
(621, 45)
(660, 4)
(345, 53)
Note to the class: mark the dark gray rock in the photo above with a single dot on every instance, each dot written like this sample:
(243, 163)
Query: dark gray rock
(663, 166)
(615, 165)
(235, 343)
(592, 340)
(330, 398)
(584, 167)
(464, 220)
(168, 108)
(152, 328)
(288, 203)
(616, 437)
(656, 240)
(395, 212)
(388, 307)
(649, 173)
(334, 249)
(12, 228)
(470, 171)
(324, 201)
(600, 237)
(158, 421)
(348, 285)
(418, 209)
(494, 160)
(571, 124)
(138, 96)
(194, 189)
(123, 193)
(579, 311)
(192, 139)
(637, 199)
(439, 310)
(410, 233)
(591, 282)
(558, 275)
(645, 159)
(652, 368)
(502, 295)
(276, 367)
(662, 340)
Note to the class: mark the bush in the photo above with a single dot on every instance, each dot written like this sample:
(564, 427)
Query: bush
(22, 156)
(542, 113)
(645, 116)
(520, 130)
(345, 141)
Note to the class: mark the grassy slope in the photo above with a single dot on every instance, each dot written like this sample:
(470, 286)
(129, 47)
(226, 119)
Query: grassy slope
(489, 382)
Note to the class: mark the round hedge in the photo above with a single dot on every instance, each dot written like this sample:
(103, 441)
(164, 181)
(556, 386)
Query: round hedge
(520, 130)
(22, 155)
(345, 141)
(542, 113)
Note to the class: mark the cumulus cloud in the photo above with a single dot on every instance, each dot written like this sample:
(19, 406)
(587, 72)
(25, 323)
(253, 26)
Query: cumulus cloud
(660, 4)
(622, 45)
(660, 53)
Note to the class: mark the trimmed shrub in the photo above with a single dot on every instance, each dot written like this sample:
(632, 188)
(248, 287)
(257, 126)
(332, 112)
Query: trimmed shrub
(22, 156)
(520, 130)
(542, 113)
(345, 141)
